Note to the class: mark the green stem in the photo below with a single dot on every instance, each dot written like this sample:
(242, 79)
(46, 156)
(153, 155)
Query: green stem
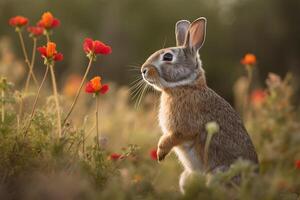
(2, 106)
(54, 86)
(31, 66)
(36, 100)
(97, 120)
(206, 150)
(47, 36)
(248, 90)
(26, 56)
(78, 91)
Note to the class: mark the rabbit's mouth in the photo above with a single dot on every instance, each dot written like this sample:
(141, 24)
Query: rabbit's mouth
(150, 73)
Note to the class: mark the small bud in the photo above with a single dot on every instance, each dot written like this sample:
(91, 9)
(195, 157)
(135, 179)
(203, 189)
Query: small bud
(212, 127)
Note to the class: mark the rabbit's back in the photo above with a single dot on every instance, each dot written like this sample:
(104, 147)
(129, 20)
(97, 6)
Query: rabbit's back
(232, 141)
(187, 111)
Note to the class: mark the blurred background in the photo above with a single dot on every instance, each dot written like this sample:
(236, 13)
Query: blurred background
(269, 29)
(37, 166)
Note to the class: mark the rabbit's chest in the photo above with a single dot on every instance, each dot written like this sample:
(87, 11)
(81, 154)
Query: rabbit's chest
(189, 156)
(178, 117)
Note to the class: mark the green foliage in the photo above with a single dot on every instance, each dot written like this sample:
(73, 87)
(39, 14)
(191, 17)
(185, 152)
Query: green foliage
(75, 158)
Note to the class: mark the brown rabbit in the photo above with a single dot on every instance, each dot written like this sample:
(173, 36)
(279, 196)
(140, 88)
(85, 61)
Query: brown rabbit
(188, 104)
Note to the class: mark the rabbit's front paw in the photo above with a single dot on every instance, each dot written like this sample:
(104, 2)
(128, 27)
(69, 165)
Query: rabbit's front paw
(161, 154)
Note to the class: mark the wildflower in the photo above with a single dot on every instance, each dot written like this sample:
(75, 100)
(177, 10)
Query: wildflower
(211, 128)
(153, 154)
(72, 83)
(95, 86)
(18, 21)
(249, 59)
(35, 31)
(94, 47)
(49, 52)
(115, 156)
(258, 96)
(48, 21)
(137, 178)
(297, 164)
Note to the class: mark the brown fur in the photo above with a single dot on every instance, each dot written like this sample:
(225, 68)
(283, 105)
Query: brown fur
(187, 109)
(188, 104)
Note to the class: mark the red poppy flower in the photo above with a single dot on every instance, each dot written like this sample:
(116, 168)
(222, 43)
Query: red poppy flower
(96, 47)
(258, 96)
(153, 154)
(49, 52)
(48, 21)
(104, 89)
(18, 21)
(249, 59)
(115, 156)
(297, 164)
(35, 31)
(95, 86)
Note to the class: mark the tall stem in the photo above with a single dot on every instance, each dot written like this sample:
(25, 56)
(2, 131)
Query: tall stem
(78, 91)
(2, 106)
(36, 100)
(206, 150)
(47, 37)
(248, 90)
(97, 120)
(31, 65)
(54, 86)
(26, 56)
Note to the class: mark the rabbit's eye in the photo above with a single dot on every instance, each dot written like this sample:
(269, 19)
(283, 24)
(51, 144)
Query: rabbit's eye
(167, 57)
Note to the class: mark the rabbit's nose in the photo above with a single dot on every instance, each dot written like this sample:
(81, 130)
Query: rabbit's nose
(148, 70)
(144, 71)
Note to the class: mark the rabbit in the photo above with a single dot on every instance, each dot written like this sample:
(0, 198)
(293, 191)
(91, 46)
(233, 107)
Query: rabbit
(187, 104)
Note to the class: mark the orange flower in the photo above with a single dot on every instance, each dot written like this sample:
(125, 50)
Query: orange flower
(95, 86)
(49, 52)
(18, 21)
(258, 96)
(72, 84)
(96, 83)
(50, 49)
(249, 59)
(48, 21)
(137, 178)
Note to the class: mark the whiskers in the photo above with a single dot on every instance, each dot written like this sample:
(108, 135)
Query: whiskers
(139, 87)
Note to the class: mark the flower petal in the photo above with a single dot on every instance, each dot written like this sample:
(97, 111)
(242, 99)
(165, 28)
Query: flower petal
(89, 88)
(35, 30)
(101, 48)
(42, 51)
(88, 45)
(18, 21)
(51, 49)
(115, 156)
(96, 83)
(104, 89)
(58, 57)
(55, 23)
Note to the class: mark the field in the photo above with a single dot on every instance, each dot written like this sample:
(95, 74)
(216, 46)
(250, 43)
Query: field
(44, 156)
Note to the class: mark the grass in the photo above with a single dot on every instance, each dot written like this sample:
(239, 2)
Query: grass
(38, 160)
(36, 164)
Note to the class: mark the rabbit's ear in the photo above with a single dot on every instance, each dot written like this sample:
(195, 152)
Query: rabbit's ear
(196, 34)
(181, 29)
